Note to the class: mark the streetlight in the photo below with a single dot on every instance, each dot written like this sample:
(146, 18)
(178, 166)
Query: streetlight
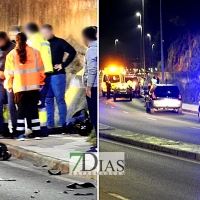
(149, 36)
(161, 41)
(116, 44)
(141, 52)
(143, 38)
(140, 17)
(152, 47)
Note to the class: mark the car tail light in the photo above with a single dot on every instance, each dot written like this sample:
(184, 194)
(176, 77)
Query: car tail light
(153, 96)
(180, 97)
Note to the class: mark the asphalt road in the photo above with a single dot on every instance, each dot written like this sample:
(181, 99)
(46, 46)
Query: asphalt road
(132, 116)
(30, 179)
(150, 175)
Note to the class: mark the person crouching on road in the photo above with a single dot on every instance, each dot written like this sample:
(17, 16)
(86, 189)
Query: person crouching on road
(91, 72)
(24, 74)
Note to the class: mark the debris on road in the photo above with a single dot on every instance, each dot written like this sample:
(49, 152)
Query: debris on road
(54, 172)
(81, 185)
(83, 194)
(48, 181)
(2, 179)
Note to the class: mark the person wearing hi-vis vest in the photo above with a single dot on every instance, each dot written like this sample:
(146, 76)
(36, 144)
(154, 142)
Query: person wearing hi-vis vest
(36, 41)
(24, 75)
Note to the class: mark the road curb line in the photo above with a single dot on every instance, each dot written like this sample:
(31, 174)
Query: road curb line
(155, 147)
(38, 159)
(190, 111)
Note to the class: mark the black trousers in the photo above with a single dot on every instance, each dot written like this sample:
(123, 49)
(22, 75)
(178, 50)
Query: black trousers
(92, 107)
(27, 103)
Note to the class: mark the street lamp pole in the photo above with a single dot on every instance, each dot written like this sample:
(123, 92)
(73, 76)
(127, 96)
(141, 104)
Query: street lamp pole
(149, 49)
(143, 38)
(161, 41)
(141, 46)
(152, 48)
(116, 45)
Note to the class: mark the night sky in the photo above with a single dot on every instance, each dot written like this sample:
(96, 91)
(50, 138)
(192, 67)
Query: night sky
(118, 20)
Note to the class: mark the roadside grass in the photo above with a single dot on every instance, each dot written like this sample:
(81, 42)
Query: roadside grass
(92, 138)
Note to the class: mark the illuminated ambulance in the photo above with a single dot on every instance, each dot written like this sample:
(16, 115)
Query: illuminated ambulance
(115, 76)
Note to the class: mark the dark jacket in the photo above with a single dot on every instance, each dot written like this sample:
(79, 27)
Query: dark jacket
(58, 48)
(3, 53)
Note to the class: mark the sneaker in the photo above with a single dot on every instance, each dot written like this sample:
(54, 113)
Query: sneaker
(28, 132)
(38, 138)
(21, 138)
(93, 150)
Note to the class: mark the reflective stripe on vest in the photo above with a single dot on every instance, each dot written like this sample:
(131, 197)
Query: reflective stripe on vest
(43, 117)
(10, 72)
(26, 71)
(45, 44)
(30, 87)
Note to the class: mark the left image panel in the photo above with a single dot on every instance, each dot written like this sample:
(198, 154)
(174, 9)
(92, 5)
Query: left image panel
(48, 99)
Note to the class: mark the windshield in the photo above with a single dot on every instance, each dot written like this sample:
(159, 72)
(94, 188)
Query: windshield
(112, 78)
(167, 91)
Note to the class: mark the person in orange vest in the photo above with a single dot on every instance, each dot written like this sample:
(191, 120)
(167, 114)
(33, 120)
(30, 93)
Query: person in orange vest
(24, 75)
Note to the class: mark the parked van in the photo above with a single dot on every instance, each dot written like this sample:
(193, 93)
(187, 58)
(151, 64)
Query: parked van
(113, 75)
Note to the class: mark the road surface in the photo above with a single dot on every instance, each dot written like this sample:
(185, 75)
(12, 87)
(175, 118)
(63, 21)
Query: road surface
(30, 179)
(150, 175)
(132, 116)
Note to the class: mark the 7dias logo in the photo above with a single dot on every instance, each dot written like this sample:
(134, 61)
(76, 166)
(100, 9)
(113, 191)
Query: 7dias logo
(104, 163)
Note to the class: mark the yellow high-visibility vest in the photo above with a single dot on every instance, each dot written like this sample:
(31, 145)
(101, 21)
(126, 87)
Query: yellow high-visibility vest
(43, 46)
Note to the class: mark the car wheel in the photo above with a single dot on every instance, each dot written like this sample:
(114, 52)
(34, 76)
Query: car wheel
(179, 111)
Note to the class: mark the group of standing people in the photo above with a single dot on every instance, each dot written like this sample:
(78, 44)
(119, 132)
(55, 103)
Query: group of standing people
(32, 74)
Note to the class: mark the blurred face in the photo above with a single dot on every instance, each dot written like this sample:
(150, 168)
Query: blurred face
(47, 33)
(3, 42)
(85, 40)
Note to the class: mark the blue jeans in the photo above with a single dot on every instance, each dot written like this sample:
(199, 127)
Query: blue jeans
(56, 90)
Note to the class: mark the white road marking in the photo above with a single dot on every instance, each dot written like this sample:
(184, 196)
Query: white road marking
(118, 196)
(152, 119)
(152, 151)
(195, 128)
(112, 107)
(125, 112)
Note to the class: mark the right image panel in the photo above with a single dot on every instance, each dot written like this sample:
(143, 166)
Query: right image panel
(149, 102)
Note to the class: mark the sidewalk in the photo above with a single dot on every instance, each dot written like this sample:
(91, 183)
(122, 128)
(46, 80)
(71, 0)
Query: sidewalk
(177, 148)
(52, 151)
(190, 108)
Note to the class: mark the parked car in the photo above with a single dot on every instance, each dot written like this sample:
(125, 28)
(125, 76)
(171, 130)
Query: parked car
(165, 97)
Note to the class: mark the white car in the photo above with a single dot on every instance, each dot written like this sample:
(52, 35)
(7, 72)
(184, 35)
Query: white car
(164, 96)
